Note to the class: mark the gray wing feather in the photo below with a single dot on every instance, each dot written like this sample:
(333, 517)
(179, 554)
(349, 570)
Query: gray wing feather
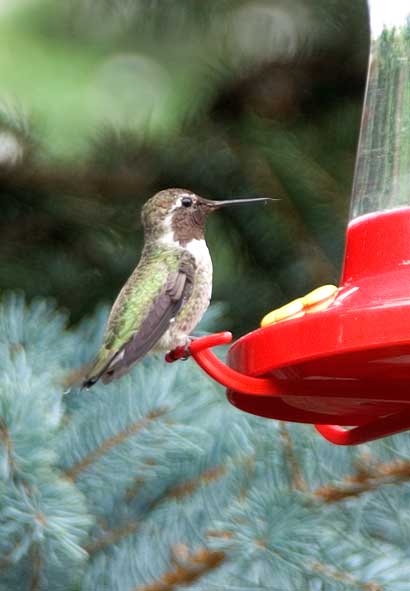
(165, 307)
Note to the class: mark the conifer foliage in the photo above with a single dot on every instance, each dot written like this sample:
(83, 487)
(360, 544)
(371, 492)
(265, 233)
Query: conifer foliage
(155, 483)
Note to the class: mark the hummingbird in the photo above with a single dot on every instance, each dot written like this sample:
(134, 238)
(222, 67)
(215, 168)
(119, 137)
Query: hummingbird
(170, 289)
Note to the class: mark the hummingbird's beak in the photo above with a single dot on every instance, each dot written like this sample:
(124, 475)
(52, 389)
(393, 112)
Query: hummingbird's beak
(219, 204)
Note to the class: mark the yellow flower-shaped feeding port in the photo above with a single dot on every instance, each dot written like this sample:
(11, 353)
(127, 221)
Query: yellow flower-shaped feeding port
(316, 300)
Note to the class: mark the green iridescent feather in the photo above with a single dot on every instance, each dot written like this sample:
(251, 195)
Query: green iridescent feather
(135, 299)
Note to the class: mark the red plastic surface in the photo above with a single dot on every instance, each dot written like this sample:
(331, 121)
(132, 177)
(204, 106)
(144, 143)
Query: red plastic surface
(200, 351)
(349, 364)
(375, 429)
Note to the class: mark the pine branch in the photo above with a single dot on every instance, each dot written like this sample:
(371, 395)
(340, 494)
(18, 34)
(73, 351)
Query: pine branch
(36, 564)
(132, 490)
(179, 491)
(222, 535)
(6, 440)
(112, 536)
(190, 486)
(193, 567)
(6, 561)
(183, 489)
(364, 480)
(345, 578)
(249, 464)
(297, 480)
(111, 442)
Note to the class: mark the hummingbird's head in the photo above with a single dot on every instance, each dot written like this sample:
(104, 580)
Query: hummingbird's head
(179, 216)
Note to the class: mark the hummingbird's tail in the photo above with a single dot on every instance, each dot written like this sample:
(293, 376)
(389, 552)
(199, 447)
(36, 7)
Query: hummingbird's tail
(107, 375)
(92, 378)
(97, 369)
(106, 369)
(88, 383)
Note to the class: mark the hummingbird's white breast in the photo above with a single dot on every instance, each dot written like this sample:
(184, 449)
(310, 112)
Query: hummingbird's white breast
(200, 251)
(193, 310)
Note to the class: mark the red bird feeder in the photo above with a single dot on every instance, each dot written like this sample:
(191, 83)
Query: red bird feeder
(348, 364)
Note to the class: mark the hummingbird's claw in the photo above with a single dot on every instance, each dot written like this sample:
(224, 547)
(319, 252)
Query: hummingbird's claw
(179, 353)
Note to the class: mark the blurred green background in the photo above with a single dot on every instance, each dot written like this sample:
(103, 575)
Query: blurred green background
(103, 103)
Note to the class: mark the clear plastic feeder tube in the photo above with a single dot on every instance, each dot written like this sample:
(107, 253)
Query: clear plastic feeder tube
(382, 176)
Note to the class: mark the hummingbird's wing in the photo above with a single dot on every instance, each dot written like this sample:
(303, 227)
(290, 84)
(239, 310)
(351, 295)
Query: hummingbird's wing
(118, 355)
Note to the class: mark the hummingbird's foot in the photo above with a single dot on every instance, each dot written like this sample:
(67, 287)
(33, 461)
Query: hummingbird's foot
(182, 352)
(179, 353)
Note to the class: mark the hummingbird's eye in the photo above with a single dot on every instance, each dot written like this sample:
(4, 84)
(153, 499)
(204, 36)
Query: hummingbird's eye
(186, 201)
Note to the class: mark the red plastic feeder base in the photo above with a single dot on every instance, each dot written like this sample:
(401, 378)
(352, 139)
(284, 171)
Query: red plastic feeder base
(349, 364)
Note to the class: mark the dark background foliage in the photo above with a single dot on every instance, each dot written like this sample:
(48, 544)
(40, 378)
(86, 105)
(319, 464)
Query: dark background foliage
(105, 103)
